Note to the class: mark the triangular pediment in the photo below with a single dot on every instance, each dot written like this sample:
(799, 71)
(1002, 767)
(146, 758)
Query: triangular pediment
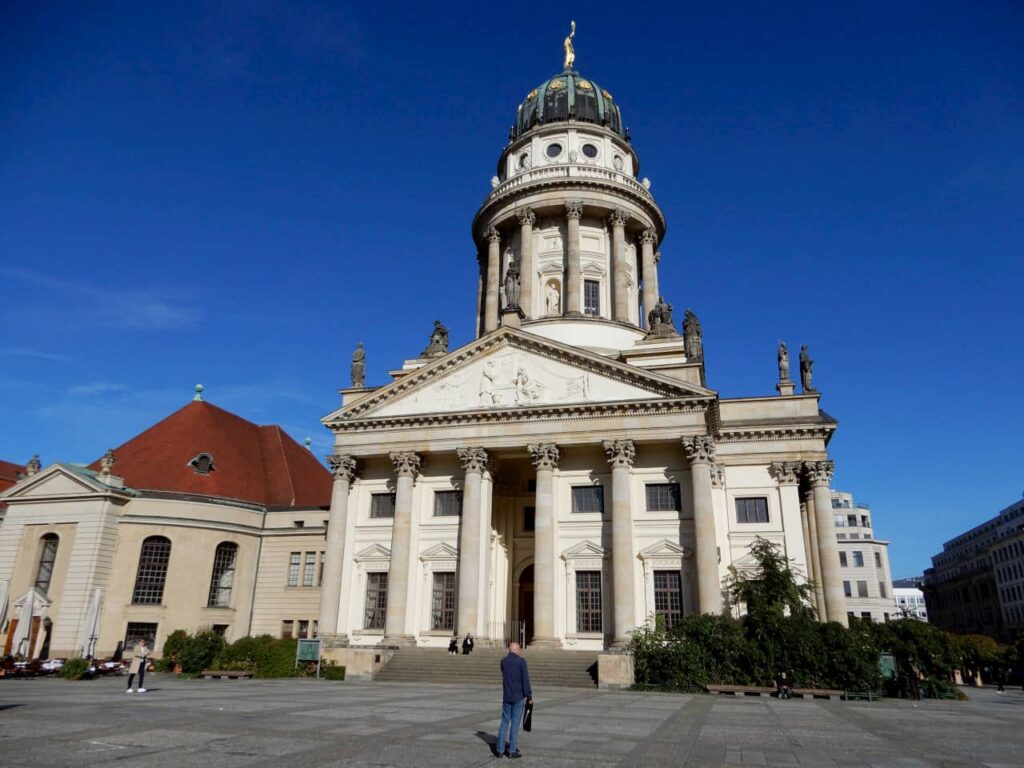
(373, 552)
(585, 549)
(57, 480)
(663, 548)
(512, 369)
(40, 602)
(442, 551)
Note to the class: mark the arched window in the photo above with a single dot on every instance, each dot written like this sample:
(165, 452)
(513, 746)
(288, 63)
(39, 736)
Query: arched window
(149, 582)
(47, 557)
(223, 575)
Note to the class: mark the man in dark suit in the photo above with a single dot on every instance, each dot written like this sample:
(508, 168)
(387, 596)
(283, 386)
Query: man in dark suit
(515, 681)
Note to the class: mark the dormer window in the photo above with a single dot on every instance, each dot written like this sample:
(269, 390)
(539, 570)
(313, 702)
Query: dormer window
(202, 463)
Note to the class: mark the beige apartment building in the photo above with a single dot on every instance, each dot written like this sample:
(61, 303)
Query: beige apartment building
(863, 561)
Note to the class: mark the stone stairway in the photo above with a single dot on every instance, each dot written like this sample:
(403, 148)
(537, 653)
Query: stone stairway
(574, 669)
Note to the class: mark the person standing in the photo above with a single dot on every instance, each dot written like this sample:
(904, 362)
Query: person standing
(138, 667)
(516, 692)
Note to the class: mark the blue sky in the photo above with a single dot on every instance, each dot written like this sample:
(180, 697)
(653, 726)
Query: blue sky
(235, 193)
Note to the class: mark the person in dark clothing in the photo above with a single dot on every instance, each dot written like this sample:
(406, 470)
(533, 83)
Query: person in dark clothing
(467, 645)
(516, 691)
(453, 646)
(783, 686)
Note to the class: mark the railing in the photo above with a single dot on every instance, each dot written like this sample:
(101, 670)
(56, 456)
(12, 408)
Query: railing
(569, 172)
(506, 632)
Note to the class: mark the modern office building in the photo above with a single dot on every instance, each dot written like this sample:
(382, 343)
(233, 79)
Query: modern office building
(863, 561)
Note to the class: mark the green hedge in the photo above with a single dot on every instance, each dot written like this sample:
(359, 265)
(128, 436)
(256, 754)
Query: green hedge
(264, 656)
(193, 653)
(75, 669)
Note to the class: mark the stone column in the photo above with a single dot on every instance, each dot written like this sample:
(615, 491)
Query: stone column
(407, 466)
(650, 272)
(471, 546)
(807, 508)
(493, 279)
(480, 288)
(344, 469)
(573, 273)
(620, 456)
(620, 300)
(700, 450)
(545, 461)
(794, 521)
(527, 273)
(819, 475)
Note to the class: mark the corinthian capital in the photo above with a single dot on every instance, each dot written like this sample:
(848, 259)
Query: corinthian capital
(544, 455)
(785, 472)
(700, 449)
(621, 453)
(343, 466)
(407, 463)
(472, 459)
(618, 218)
(526, 217)
(819, 473)
(493, 235)
(648, 237)
(573, 210)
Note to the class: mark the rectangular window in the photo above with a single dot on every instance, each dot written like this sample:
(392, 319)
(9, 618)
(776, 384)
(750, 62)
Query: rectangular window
(442, 604)
(752, 510)
(220, 629)
(866, 615)
(46, 560)
(376, 600)
(840, 521)
(847, 590)
(842, 559)
(858, 558)
(139, 630)
(382, 505)
(668, 597)
(662, 497)
(588, 601)
(588, 498)
(529, 519)
(303, 628)
(862, 589)
(293, 569)
(851, 520)
(316, 628)
(878, 559)
(591, 297)
(447, 503)
(309, 571)
(865, 521)
(881, 589)
(287, 629)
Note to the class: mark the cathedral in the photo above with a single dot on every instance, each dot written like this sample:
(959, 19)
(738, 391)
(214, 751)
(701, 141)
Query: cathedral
(569, 475)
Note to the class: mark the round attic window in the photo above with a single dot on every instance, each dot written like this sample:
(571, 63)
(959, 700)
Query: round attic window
(202, 463)
(553, 150)
(589, 150)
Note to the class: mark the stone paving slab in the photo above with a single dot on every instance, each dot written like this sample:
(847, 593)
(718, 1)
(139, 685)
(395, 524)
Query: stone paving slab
(320, 724)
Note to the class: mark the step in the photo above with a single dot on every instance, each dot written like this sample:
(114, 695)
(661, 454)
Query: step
(436, 665)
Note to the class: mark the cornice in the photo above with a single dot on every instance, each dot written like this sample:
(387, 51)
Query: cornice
(764, 433)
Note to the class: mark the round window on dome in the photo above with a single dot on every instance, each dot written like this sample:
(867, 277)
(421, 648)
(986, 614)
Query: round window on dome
(589, 150)
(553, 150)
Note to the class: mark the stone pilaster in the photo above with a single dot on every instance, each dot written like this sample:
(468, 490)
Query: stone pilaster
(396, 632)
(620, 298)
(527, 272)
(621, 454)
(493, 279)
(819, 475)
(343, 468)
(700, 451)
(545, 458)
(650, 272)
(573, 269)
(471, 541)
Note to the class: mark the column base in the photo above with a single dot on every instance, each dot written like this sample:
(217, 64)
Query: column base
(399, 641)
(545, 644)
(618, 645)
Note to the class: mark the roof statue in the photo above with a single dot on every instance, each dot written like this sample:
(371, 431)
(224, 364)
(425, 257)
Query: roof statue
(359, 366)
(570, 54)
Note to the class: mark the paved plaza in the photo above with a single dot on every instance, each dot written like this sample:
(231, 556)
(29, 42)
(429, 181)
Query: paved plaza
(218, 724)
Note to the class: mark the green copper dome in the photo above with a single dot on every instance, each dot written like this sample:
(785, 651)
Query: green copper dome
(568, 96)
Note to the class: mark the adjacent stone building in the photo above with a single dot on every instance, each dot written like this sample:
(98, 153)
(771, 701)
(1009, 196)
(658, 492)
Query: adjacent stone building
(976, 584)
(570, 473)
(178, 528)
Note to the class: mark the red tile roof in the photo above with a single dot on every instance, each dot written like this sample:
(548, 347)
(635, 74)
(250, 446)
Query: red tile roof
(9, 474)
(251, 463)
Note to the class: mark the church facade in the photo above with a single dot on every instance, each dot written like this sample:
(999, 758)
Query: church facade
(568, 475)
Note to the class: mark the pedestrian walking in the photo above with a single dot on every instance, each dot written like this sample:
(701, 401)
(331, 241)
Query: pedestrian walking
(138, 667)
(453, 645)
(467, 645)
(516, 692)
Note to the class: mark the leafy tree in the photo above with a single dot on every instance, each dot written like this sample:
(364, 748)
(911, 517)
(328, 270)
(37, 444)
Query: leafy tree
(773, 590)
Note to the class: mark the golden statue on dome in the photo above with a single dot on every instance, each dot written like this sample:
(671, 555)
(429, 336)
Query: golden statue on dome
(570, 54)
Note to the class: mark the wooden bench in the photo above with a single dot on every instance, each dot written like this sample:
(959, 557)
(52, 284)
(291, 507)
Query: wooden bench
(818, 693)
(862, 695)
(209, 674)
(741, 690)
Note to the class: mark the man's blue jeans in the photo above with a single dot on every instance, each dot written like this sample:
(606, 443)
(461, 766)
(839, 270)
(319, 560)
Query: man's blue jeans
(511, 717)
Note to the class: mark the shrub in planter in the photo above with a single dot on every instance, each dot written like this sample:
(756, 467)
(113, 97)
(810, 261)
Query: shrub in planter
(173, 646)
(76, 669)
(200, 650)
